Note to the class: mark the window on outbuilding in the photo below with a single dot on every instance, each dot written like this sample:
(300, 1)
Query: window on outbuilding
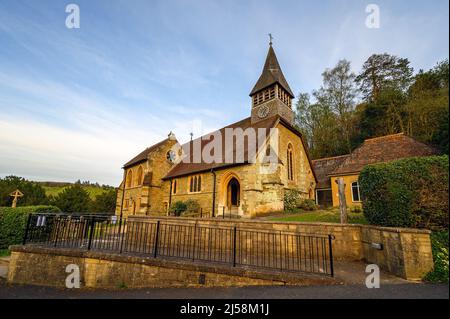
(356, 197)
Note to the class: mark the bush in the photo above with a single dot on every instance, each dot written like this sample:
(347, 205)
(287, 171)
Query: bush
(307, 204)
(439, 243)
(13, 222)
(73, 199)
(178, 208)
(192, 206)
(33, 193)
(104, 202)
(291, 199)
(410, 192)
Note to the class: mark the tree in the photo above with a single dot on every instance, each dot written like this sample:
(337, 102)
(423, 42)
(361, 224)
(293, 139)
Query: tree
(384, 71)
(427, 106)
(104, 202)
(319, 125)
(34, 194)
(338, 92)
(73, 199)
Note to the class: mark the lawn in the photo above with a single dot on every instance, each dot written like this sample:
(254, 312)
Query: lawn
(325, 216)
(55, 190)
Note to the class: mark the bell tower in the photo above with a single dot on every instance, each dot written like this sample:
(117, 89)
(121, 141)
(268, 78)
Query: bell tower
(271, 94)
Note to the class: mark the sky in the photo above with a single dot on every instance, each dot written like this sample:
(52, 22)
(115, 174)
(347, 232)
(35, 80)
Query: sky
(78, 103)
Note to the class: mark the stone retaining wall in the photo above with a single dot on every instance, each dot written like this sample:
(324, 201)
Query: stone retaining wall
(404, 252)
(46, 266)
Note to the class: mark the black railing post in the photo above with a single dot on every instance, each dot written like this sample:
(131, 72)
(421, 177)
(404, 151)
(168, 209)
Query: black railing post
(56, 223)
(155, 249)
(121, 233)
(27, 228)
(193, 241)
(330, 248)
(234, 246)
(223, 212)
(91, 234)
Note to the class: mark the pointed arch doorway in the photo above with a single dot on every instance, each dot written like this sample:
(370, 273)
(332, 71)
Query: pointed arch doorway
(233, 195)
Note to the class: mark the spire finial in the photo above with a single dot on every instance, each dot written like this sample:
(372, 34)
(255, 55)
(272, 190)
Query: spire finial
(270, 39)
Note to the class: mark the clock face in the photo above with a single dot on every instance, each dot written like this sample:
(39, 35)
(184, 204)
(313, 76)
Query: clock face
(263, 111)
(171, 156)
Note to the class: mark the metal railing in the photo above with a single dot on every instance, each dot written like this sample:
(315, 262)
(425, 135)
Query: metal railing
(231, 245)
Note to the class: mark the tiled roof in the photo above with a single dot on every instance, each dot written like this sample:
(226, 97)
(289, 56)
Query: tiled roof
(184, 168)
(323, 168)
(141, 157)
(271, 74)
(383, 149)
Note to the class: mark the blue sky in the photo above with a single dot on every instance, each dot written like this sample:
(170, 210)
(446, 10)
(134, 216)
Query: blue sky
(78, 103)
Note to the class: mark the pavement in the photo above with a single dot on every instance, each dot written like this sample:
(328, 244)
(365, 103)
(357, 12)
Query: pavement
(351, 275)
(386, 291)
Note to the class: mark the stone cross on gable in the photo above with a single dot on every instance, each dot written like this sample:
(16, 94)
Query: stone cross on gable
(16, 194)
(270, 38)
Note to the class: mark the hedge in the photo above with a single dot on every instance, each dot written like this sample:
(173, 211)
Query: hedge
(410, 192)
(13, 222)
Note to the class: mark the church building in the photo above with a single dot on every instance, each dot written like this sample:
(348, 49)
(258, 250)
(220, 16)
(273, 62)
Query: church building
(168, 172)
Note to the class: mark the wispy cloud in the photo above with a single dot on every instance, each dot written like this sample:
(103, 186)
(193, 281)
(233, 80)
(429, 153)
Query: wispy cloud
(79, 103)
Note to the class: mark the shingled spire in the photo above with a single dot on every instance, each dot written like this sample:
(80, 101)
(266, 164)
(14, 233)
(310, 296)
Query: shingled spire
(271, 74)
(271, 94)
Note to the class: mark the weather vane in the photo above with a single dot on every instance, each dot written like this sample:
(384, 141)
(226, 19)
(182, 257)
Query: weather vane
(270, 38)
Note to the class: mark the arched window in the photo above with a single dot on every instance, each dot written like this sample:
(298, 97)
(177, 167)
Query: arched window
(290, 169)
(199, 184)
(129, 178)
(195, 184)
(139, 176)
(174, 187)
(356, 197)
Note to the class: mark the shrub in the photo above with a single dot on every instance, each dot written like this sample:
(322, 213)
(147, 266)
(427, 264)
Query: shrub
(291, 199)
(73, 199)
(439, 244)
(178, 208)
(192, 206)
(33, 193)
(307, 204)
(356, 210)
(411, 192)
(13, 222)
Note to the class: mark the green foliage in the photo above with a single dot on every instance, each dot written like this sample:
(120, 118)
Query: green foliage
(34, 194)
(322, 216)
(192, 206)
(307, 204)
(178, 207)
(439, 244)
(293, 202)
(394, 101)
(410, 192)
(13, 222)
(74, 199)
(104, 202)
(291, 199)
